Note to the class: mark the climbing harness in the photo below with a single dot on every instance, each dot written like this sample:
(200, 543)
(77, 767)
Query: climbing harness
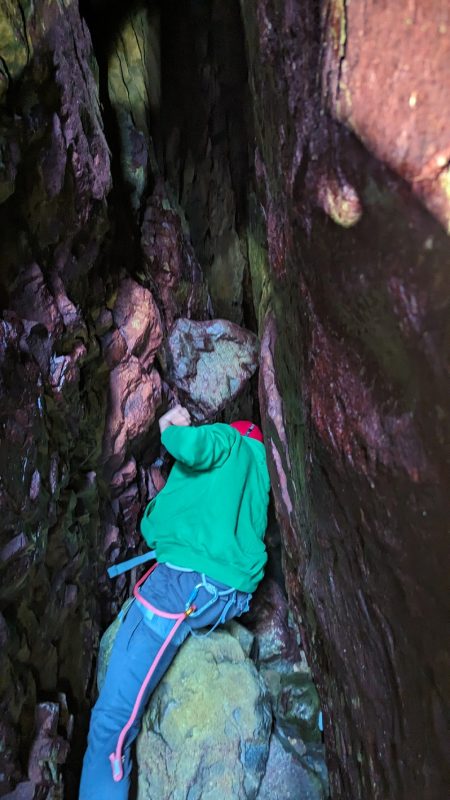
(116, 758)
(212, 590)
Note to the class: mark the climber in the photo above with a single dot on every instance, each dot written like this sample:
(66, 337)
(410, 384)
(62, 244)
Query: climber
(207, 526)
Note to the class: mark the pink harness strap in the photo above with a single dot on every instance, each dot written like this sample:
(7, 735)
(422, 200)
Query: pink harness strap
(138, 596)
(116, 757)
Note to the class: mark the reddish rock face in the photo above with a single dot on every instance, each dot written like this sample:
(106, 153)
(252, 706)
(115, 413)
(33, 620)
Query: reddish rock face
(137, 317)
(392, 96)
(134, 396)
(353, 385)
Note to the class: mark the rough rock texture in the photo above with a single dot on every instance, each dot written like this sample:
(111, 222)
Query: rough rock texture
(54, 179)
(96, 266)
(350, 277)
(209, 363)
(414, 137)
(296, 749)
(208, 729)
(285, 778)
(307, 170)
(206, 733)
(134, 92)
(203, 141)
(134, 386)
(170, 262)
(79, 389)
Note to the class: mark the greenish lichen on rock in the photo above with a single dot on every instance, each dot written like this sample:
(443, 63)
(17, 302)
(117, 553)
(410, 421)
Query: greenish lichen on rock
(16, 49)
(134, 87)
(207, 727)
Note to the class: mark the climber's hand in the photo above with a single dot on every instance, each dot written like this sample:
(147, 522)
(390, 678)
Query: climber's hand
(175, 416)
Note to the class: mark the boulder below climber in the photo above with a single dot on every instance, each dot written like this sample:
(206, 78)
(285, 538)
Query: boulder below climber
(220, 725)
(206, 731)
(207, 726)
(209, 363)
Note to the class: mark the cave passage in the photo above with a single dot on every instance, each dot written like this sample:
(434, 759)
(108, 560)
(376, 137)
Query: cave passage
(243, 207)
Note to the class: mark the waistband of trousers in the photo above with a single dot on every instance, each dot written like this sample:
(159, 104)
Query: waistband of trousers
(179, 569)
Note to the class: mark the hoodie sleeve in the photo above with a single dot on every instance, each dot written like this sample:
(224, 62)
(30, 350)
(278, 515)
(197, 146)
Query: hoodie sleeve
(204, 447)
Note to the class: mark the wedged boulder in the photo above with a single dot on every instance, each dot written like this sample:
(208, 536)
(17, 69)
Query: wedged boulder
(206, 732)
(209, 363)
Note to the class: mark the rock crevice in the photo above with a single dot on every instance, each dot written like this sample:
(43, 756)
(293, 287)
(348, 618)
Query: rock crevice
(204, 166)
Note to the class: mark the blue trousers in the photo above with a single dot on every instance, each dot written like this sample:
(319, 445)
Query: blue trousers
(138, 640)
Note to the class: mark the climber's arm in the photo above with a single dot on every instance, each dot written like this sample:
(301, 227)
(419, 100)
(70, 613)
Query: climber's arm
(200, 448)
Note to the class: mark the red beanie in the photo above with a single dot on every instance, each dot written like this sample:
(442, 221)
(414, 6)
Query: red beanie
(248, 428)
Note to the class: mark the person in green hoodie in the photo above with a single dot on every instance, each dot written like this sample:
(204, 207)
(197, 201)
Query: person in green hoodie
(207, 526)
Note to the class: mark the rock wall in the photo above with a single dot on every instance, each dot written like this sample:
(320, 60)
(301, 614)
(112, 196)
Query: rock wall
(203, 141)
(55, 178)
(277, 150)
(348, 243)
(79, 382)
(97, 264)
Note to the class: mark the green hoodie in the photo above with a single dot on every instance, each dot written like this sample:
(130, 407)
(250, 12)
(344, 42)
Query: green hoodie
(211, 515)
